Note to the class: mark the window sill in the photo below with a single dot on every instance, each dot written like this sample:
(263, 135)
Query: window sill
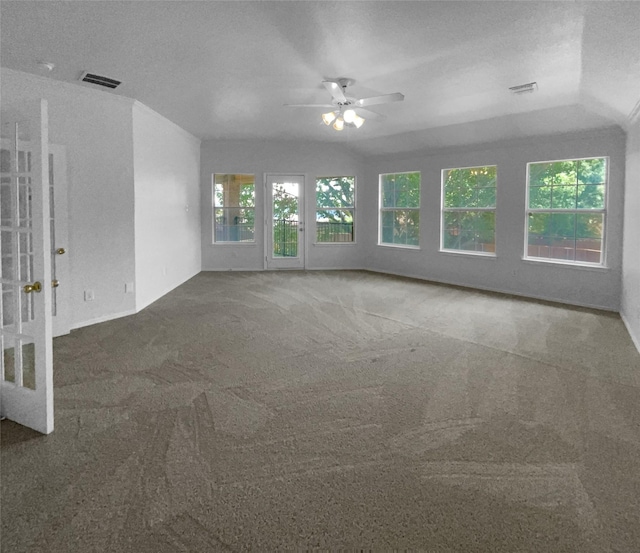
(233, 244)
(469, 253)
(559, 262)
(400, 247)
(325, 244)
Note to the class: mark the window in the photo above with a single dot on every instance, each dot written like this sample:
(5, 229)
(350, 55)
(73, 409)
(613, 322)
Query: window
(335, 205)
(400, 209)
(233, 208)
(566, 210)
(469, 210)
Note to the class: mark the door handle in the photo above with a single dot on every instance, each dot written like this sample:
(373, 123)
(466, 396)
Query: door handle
(35, 287)
(55, 283)
(61, 251)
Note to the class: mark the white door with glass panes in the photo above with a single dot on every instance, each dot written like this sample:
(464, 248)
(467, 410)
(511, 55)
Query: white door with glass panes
(284, 220)
(58, 226)
(26, 363)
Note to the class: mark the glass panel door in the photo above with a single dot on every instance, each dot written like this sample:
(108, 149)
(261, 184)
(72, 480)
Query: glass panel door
(26, 363)
(285, 219)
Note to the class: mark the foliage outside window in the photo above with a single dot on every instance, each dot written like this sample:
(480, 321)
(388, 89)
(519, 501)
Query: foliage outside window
(469, 209)
(233, 208)
(566, 210)
(286, 211)
(335, 205)
(400, 209)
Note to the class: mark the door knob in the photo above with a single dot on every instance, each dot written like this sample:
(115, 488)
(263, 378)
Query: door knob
(55, 283)
(35, 287)
(61, 251)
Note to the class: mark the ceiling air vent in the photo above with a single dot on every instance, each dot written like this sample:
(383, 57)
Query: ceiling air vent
(524, 88)
(99, 80)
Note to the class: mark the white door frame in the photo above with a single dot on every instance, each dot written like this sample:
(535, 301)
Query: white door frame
(272, 262)
(29, 404)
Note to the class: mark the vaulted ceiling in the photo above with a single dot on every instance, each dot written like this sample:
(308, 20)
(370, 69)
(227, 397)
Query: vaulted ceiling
(225, 69)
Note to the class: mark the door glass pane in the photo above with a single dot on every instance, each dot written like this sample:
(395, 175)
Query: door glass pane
(8, 359)
(285, 219)
(24, 201)
(29, 365)
(8, 299)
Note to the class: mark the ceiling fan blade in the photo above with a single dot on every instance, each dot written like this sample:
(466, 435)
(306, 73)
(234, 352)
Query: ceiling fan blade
(370, 114)
(309, 105)
(385, 98)
(335, 90)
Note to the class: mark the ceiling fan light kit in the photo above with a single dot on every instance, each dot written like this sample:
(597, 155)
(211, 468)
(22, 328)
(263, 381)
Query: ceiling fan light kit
(349, 117)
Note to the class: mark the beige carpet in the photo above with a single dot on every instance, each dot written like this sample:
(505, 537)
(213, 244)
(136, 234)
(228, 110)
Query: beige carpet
(331, 411)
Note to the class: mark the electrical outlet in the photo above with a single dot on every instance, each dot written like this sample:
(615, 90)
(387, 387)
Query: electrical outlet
(128, 287)
(89, 295)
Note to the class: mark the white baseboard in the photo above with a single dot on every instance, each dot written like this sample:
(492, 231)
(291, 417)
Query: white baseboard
(634, 339)
(497, 290)
(103, 319)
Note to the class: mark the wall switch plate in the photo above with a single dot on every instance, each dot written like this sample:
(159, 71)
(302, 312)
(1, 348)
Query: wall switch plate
(128, 287)
(89, 295)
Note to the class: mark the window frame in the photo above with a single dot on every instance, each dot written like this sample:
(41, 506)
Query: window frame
(351, 208)
(444, 210)
(602, 264)
(215, 207)
(382, 209)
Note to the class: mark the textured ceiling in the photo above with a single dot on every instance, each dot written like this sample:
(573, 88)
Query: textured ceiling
(225, 69)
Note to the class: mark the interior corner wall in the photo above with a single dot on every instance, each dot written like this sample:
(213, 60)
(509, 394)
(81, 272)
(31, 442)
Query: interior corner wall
(261, 157)
(96, 129)
(507, 272)
(630, 308)
(167, 205)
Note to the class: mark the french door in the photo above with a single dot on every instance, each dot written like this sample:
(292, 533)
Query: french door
(60, 307)
(284, 219)
(26, 364)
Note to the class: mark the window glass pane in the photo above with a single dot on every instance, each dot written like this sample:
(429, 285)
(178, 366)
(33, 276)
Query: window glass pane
(247, 196)
(563, 232)
(589, 237)
(401, 227)
(592, 171)
(563, 197)
(334, 225)
(335, 192)
(234, 225)
(540, 197)
(451, 230)
(401, 190)
(388, 191)
(541, 174)
(539, 232)
(387, 226)
(591, 196)
(565, 172)
(234, 207)
(486, 231)
(486, 197)
(409, 222)
(486, 176)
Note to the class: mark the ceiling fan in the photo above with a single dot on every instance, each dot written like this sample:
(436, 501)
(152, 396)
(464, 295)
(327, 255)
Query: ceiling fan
(344, 106)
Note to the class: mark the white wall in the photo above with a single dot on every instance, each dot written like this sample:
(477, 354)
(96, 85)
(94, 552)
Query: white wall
(260, 157)
(96, 128)
(167, 205)
(630, 304)
(507, 272)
